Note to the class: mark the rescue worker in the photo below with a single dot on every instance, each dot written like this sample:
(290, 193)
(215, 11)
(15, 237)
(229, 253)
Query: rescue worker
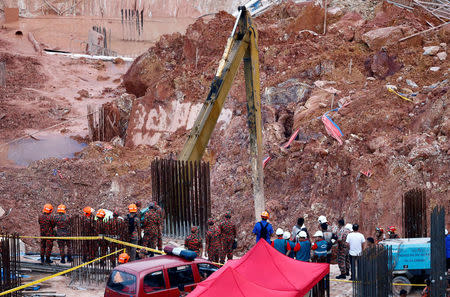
(379, 235)
(330, 238)
(46, 225)
(123, 258)
(213, 242)
(152, 226)
(320, 248)
(427, 291)
(263, 229)
(343, 258)
(281, 244)
(88, 230)
(133, 229)
(299, 227)
(162, 215)
(101, 229)
(63, 230)
(287, 237)
(303, 247)
(227, 236)
(193, 241)
(391, 232)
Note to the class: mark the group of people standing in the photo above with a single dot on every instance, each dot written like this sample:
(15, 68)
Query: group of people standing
(143, 227)
(343, 242)
(220, 239)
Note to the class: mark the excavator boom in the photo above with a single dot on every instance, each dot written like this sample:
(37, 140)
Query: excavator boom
(241, 45)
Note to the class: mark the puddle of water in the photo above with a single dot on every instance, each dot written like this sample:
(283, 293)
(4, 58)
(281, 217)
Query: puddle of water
(24, 152)
(71, 33)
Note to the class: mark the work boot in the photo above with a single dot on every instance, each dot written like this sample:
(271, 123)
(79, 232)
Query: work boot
(342, 276)
(63, 259)
(42, 259)
(48, 261)
(69, 258)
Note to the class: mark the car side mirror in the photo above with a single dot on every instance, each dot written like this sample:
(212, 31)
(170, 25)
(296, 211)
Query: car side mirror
(181, 287)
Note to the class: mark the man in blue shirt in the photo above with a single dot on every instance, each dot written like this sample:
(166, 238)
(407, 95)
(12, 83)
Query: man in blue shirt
(263, 229)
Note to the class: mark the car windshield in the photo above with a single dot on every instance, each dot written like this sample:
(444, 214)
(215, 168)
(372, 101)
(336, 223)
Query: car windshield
(122, 282)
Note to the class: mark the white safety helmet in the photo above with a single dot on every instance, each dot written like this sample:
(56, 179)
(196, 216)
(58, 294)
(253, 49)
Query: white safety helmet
(286, 235)
(318, 234)
(349, 227)
(302, 234)
(322, 219)
(279, 232)
(446, 232)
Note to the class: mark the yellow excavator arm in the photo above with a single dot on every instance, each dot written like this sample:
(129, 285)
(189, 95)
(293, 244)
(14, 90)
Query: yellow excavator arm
(241, 45)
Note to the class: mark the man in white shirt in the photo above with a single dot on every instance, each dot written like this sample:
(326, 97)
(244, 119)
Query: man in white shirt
(355, 241)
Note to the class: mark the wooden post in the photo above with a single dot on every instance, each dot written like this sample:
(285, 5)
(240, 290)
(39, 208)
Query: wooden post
(2, 74)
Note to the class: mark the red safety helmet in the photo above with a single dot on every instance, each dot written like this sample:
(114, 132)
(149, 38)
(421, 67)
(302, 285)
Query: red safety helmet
(392, 229)
(124, 258)
(48, 208)
(87, 211)
(379, 229)
(101, 213)
(132, 208)
(61, 208)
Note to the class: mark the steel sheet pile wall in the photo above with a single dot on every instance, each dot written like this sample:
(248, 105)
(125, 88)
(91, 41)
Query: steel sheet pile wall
(438, 265)
(373, 278)
(182, 188)
(86, 250)
(415, 214)
(9, 263)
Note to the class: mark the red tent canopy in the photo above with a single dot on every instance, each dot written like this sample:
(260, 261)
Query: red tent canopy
(266, 267)
(232, 284)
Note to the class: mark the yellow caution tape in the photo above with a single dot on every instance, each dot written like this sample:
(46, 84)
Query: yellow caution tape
(133, 245)
(57, 274)
(142, 247)
(401, 96)
(395, 284)
(64, 237)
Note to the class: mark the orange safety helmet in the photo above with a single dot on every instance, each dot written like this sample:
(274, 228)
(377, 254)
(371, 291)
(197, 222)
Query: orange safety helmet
(87, 211)
(265, 215)
(132, 208)
(101, 213)
(61, 208)
(124, 258)
(48, 208)
(392, 229)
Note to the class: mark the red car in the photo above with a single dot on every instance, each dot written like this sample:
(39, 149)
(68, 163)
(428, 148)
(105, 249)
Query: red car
(166, 276)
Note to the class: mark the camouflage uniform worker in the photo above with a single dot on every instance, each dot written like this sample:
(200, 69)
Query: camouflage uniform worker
(152, 226)
(89, 246)
(227, 235)
(62, 230)
(213, 242)
(193, 241)
(162, 214)
(46, 225)
(134, 228)
(342, 253)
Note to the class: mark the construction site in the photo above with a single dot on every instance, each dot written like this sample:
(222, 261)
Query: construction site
(335, 108)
